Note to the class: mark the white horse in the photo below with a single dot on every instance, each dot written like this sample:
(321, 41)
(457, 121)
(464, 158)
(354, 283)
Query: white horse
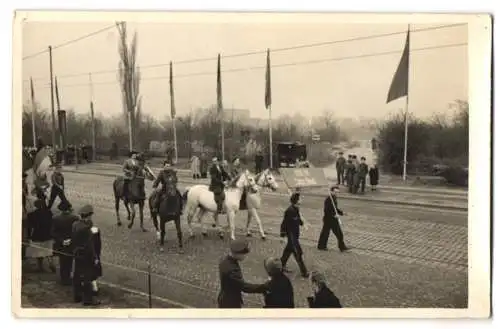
(198, 197)
(264, 179)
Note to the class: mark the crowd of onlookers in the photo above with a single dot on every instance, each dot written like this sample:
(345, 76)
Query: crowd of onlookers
(70, 236)
(352, 173)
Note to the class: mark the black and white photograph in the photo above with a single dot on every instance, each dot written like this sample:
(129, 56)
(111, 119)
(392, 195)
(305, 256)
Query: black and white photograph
(189, 161)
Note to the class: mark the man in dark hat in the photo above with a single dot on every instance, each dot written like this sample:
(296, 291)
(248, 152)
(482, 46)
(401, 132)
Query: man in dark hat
(85, 257)
(232, 283)
(331, 222)
(362, 172)
(340, 166)
(57, 188)
(61, 231)
(290, 228)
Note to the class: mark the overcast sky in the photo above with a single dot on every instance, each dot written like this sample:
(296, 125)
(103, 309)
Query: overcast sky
(350, 87)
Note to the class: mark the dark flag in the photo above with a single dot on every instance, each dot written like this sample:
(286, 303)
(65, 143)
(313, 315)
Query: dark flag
(219, 88)
(399, 85)
(172, 103)
(268, 99)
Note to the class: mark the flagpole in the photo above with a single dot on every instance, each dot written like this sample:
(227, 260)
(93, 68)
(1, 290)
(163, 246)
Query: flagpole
(175, 140)
(54, 140)
(33, 113)
(405, 155)
(270, 138)
(58, 103)
(173, 113)
(92, 117)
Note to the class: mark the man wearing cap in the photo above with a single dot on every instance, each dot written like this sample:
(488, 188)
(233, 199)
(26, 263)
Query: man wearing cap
(85, 257)
(57, 188)
(217, 177)
(130, 168)
(331, 213)
(61, 231)
(167, 177)
(279, 293)
(232, 283)
(340, 166)
(290, 228)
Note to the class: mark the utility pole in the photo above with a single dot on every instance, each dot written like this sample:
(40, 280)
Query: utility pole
(54, 138)
(92, 118)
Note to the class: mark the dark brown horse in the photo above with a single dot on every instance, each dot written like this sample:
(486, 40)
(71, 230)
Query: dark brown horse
(170, 210)
(136, 195)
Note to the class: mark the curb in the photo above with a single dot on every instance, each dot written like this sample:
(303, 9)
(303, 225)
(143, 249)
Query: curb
(392, 202)
(454, 193)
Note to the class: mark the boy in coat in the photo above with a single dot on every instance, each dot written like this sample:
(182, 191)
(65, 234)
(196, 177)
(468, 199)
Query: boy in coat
(322, 296)
(279, 289)
(331, 222)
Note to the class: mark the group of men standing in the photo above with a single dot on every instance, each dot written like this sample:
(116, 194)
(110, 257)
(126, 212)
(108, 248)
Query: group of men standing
(352, 173)
(70, 236)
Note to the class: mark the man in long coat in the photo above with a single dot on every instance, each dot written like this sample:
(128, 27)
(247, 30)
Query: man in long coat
(232, 283)
(61, 231)
(85, 258)
(167, 177)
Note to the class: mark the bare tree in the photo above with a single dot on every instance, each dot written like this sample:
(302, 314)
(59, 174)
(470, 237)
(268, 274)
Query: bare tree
(129, 78)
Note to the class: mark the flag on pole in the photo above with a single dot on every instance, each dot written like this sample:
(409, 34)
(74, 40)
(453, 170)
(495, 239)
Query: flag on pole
(57, 94)
(172, 103)
(399, 85)
(219, 88)
(268, 99)
(32, 92)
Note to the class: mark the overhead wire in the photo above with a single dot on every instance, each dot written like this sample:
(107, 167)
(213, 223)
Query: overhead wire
(66, 43)
(261, 67)
(274, 50)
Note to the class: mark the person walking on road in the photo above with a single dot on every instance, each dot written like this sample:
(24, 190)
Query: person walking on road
(195, 167)
(331, 222)
(57, 188)
(290, 229)
(232, 283)
(61, 231)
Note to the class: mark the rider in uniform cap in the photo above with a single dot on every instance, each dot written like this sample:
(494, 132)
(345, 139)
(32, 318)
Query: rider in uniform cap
(217, 177)
(232, 283)
(168, 176)
(130, 170)
(85, 257)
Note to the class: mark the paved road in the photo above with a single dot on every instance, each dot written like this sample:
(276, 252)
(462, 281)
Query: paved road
(402, 256)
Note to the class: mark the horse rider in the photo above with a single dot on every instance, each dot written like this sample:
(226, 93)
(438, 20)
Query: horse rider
(168, 176)
(236, 167)
(130, 169)
(57, 188)
(217, 178)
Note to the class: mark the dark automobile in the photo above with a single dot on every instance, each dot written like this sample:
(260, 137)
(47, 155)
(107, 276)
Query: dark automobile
(290, 152)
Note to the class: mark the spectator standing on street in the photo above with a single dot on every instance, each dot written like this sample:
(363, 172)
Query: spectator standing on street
(350, 173)
(232, 283)
(322, 296)
(279, 293)
(362, 172)
(85, 258)
(355, 174)
(195, 167)
(96, 241)
(39, 227)
(340, 166)
(331, 222)
(290, 228)
(61, 231)
(373, 173)
(57, 188)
